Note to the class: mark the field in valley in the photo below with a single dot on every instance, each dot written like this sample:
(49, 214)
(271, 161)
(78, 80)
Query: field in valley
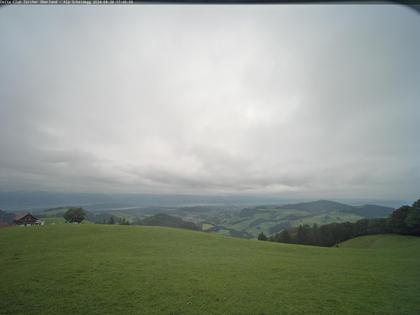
(109, 269)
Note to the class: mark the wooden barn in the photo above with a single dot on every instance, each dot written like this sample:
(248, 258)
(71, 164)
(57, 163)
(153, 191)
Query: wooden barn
(27, 219)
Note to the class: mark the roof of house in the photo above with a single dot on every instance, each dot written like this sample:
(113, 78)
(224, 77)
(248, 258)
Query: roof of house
(22, 215)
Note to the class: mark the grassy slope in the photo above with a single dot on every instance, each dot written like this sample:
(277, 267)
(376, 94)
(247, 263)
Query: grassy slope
(59, 220)
(99, 269)
(384, 241)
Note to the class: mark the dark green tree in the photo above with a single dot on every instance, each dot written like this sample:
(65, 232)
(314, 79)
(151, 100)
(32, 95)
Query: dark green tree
(397, 220)
(412, 221)
(262, 237)
(75, 215)
(314, 235)
(303, 234)
(111, 220)
(284, 237)
(416, 204)
(124, 221)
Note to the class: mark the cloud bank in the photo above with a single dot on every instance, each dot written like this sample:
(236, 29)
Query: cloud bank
(310, 100)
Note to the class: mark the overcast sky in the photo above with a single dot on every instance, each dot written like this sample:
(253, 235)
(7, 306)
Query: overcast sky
(310, 100)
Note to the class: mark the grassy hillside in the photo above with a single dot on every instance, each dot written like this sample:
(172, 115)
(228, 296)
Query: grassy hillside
(384, 241)
(59, 220)
(163, 219)
(109, 269)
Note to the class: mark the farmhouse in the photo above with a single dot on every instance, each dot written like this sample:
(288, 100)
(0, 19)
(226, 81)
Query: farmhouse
(27, 219)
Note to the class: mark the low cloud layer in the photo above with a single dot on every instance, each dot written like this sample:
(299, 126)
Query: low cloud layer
(310, 100)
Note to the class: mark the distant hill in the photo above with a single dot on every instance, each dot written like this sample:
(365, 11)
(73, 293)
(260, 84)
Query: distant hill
(162, 219)
(372, 211)
(368, 211)
(6, 218)
(15, 201)
(39, 200)
(318, 206)
(271, 219)
(55, 212)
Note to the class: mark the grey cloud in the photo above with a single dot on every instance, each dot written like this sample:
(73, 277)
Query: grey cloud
(315, 100)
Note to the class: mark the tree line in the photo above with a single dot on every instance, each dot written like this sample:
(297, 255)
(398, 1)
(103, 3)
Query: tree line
(77, 215)
(404, 220)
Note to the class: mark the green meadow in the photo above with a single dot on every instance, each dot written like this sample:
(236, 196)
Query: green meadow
(111, 269)
(59, 220)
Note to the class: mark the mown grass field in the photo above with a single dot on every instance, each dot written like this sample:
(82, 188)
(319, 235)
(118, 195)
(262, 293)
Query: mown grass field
(104, 269)
(397, 243)
(59, 220)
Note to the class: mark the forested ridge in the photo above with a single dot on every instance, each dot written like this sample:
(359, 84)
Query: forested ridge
(404, 220)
